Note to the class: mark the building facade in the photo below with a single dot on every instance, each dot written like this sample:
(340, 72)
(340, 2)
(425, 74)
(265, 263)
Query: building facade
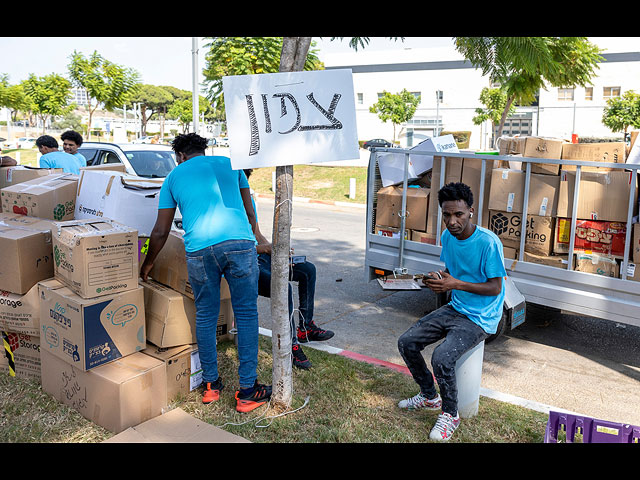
(449, 88)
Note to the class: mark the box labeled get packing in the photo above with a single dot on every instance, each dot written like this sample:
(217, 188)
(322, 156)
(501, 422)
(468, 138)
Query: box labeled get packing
(116, 396)
(52, 197)
(95, 257)
(20, 313)
(21, 355)
(602, 196)
(127, 199)
(26, 250)
(389, 207)
(89, 332)
(592, 236)
(507, 192)
(508, 226)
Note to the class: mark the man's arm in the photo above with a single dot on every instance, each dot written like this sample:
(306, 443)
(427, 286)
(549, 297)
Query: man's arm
(7, 161)
(157, 239)
(491, 287)
(264, 246)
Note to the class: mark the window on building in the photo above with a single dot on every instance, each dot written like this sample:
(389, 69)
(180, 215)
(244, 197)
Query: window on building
(360, 99)
(588, 93)
(565, 94)
(610, 92)
(416, 94)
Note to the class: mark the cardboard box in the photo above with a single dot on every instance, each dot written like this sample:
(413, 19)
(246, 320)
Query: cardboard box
(539, 147)
(96, 257)
(177, 362)
(392, 232)
(603, 195)
(598, 264)
(609, 152)
(633, 272)
(423, 237)
(510, 252)
(389, 207)
(27, 252)
(507, 226)
(171, 316)
(51, 197)
(110, 167)
(507, 192)
(22, 173)
(116, 396)
(25, 355)
(20, 313)
(89, 332)
(635, 243)
(130, 200)
(559, 261)
(170, 267)
(605, 238)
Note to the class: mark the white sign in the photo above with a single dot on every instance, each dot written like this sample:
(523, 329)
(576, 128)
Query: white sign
(290, 118)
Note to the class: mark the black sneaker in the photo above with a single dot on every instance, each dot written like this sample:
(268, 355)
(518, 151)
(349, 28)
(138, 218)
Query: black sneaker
(300, 360)
(311, 332)
(260, 395)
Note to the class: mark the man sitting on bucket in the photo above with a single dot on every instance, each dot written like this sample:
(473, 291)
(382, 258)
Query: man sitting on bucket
(474, 271)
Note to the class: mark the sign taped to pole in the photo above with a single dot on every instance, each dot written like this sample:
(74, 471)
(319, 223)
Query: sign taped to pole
(290, 118)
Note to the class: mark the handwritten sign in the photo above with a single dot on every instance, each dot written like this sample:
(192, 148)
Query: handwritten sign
(290, 118)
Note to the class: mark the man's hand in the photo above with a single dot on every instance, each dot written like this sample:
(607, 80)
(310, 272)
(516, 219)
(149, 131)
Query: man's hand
(145, 269)
(263, 248)
(440, 285)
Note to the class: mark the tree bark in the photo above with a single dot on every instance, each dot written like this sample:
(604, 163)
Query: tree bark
(504, 117)
(293, 57)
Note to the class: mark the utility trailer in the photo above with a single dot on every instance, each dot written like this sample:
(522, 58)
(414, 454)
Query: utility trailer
(581, 293)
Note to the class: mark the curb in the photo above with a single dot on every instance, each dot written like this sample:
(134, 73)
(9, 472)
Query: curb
(485, 392)
(321, 202)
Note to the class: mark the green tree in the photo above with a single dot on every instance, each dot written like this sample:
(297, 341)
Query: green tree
(622, 112)
(494, 101)
(524, 65)
(49, 95)
(182, 110)
(106, 83)
(398, 108)
(153, 101)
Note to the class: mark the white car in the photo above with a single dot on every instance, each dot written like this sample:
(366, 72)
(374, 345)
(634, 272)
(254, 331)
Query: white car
(145, 139)
(22, 142)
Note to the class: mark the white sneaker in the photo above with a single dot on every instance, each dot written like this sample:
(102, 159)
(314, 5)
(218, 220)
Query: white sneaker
(419, 402)
(444, 427)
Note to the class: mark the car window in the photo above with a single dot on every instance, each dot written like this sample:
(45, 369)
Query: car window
(89, 154)
(152, 164)
(111, 157)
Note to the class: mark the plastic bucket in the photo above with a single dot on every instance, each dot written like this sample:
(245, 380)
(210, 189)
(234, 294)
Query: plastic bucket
(468, 379)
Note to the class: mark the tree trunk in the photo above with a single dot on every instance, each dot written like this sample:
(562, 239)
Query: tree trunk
(504, 117)
(293, 57)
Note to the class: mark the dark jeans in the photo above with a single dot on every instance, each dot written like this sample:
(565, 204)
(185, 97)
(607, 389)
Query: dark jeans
(460, 335)
(305, 275)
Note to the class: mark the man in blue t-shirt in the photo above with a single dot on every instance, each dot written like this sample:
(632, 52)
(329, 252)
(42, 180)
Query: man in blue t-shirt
(71, 141)
(218, 221)
(54, 158)
(474, 272)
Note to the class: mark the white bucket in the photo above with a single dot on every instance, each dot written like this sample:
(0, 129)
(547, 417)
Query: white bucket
(468, 379)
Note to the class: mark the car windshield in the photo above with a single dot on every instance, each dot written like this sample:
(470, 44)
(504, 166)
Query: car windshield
(152, 164)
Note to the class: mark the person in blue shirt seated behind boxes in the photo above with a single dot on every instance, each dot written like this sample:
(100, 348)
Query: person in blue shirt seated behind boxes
(54, 158)
(218, 221)
(474, 271)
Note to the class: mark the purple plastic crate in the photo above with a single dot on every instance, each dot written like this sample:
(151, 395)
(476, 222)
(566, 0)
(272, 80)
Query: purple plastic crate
(592, 430)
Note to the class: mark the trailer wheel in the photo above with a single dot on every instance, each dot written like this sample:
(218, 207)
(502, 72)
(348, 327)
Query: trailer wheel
(502, 327)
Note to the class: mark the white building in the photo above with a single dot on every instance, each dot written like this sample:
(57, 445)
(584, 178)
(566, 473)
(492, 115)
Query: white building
(426, 71)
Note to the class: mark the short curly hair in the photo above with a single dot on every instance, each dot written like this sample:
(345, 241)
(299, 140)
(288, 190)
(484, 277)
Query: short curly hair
(455, 191)
(47, 141)
(73, 136)
(189, 144)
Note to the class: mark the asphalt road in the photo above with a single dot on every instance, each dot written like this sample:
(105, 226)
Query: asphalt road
(555, 360)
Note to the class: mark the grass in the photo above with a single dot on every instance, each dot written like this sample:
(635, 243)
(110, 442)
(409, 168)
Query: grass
(28, 156)
(349, 402)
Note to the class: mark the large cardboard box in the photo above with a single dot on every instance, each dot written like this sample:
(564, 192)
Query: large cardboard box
(89, 332)
(130, 200)
(177, 362)
(389, 207)
(392, 232)
(423, 237)
(21, 355)
(27, 252)
(52, 197)
(507, 192)
(22, 173)
(539, 147)
(96, 257)
(605, 238)
(507, 226)
(559, 261)
(609, 152)
(635, 243)
(602, 196)
(20, 313)
(598, 264)
(116, 396)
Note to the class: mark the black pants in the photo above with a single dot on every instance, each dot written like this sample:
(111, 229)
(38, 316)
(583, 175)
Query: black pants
(460, 335)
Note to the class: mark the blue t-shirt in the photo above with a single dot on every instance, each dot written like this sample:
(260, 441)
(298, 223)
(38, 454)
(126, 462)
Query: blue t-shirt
(207, 192)
(81, 159)
(476, 260)
(67, 162)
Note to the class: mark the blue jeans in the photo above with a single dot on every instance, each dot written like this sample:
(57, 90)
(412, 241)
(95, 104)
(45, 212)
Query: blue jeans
(305, 275)
(236, 260)
(460, 335)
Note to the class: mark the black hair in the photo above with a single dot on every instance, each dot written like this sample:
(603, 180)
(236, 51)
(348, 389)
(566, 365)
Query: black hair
(189, 144)
(73, 136)
(248, 172)
(47, 141)
(455, 191)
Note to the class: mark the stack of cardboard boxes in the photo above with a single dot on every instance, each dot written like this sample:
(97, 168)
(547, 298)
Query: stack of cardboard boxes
(74, 313)
(601, 210)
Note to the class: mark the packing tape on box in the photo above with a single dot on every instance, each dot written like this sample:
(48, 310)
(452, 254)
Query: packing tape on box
(9, 354)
